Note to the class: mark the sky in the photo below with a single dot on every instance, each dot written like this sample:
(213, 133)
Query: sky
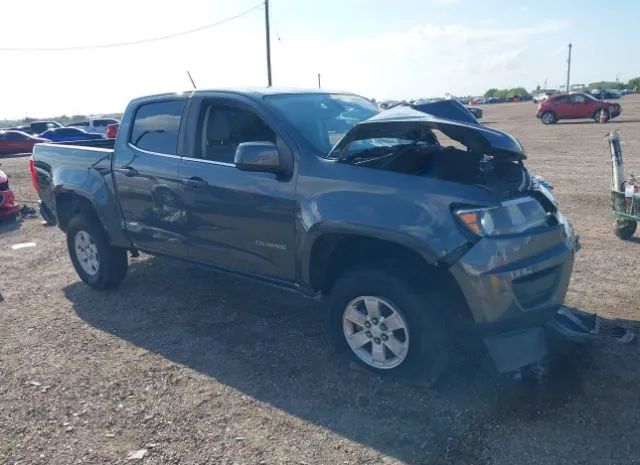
(400, 49)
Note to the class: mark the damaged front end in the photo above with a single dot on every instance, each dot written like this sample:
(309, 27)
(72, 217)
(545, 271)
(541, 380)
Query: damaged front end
(515, 270)
(405, 140)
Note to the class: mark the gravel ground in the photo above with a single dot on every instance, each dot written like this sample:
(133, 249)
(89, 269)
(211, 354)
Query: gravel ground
(192, 367)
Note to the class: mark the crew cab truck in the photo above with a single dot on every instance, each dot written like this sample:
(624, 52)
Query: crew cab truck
(409, 238)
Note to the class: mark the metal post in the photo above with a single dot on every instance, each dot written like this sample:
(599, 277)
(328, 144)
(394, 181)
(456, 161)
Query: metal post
(319, 82)
(266, 22)
(569, 68)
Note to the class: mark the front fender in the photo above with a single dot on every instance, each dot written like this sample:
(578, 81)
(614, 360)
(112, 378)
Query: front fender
(334, 227)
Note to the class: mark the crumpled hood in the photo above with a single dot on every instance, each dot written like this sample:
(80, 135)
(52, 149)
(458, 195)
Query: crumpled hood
(447, 109)
(475, 137)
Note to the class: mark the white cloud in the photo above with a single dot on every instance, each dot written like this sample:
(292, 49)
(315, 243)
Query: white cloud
(426, 59)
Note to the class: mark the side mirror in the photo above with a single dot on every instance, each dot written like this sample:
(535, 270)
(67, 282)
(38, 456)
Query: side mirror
(258, 156)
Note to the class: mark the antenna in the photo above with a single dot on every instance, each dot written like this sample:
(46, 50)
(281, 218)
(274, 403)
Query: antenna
(191, 79)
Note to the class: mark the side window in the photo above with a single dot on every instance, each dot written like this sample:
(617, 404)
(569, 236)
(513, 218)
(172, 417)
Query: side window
(577, 98)
(562, 100)
(222, 128)
(15, 136)
(156, 126)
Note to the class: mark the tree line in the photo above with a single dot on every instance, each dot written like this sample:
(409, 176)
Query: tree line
(633, 84)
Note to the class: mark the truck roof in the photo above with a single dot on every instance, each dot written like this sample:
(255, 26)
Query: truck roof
(255, 92)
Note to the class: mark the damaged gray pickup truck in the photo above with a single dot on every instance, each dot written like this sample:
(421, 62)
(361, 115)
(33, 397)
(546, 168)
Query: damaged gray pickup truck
(411, 239)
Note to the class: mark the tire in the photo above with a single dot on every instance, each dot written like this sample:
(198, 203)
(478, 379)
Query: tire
(46, 214)
(105, 266)
(423, 312)
(624, 229)
(596, 115)
(548, 117)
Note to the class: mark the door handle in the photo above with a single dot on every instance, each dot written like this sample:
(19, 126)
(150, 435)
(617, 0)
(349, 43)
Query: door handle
(127, 171)
(195, 182)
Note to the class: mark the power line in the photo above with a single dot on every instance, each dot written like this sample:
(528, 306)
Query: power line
(132, 42)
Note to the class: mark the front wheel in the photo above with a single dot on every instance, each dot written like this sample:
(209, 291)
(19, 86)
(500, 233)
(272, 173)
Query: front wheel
(388, 325)
(98, 263)
(624, 229)
(548, 117)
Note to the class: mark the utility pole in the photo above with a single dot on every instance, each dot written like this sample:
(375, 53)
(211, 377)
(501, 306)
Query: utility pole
(266, 23)
(319, 82)
(569, 68)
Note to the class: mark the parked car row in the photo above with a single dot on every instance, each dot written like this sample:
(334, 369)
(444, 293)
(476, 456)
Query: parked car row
(21, 139)
(489, 100)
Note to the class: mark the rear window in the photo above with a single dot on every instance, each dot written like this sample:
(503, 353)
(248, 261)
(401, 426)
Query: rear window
(156, 126)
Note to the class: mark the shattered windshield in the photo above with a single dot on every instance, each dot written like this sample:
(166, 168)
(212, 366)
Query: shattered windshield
(323, 119)
(385, 141)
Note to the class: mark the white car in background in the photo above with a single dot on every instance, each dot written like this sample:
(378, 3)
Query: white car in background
(98, 125)
(539, 98)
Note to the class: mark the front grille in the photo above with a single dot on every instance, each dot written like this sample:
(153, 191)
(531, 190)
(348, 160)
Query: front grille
(4, 186)
(536, 288)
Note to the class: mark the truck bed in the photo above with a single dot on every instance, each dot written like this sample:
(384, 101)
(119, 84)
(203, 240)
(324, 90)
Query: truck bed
(100, 143)
(83, 168)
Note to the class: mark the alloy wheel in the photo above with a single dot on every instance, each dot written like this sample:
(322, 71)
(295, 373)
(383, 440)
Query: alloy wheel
(376, 331)
(86, 252)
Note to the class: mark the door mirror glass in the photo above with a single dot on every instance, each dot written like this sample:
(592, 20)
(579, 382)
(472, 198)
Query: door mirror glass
(258, 156)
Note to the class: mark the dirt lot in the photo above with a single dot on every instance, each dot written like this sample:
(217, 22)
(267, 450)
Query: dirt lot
(200, 368)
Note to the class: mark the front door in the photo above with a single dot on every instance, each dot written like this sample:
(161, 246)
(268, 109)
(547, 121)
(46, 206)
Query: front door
(146, 173)
(579, 107)
(237, 219)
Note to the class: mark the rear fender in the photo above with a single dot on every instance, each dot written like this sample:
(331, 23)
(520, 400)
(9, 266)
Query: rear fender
(94, 187)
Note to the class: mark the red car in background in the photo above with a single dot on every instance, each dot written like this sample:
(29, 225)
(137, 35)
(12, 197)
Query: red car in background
(112, 130)
(17, 142)
(8, 205)
(576, 106)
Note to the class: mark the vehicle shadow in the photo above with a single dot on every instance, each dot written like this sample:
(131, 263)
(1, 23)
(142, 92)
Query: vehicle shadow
(10, 225)
(271, 345)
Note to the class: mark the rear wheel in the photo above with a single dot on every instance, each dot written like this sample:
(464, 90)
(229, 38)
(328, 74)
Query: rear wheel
(548, 117)
(388, 325)
(98, 264)
(624, 229)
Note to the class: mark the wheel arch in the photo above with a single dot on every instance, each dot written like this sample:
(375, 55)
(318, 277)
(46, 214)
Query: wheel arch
(334, 252)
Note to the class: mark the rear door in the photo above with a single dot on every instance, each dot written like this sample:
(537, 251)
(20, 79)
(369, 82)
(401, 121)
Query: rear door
(145, 169)
(562, 107)
(237, 219)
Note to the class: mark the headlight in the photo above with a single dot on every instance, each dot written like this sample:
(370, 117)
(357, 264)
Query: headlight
(511, 217)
